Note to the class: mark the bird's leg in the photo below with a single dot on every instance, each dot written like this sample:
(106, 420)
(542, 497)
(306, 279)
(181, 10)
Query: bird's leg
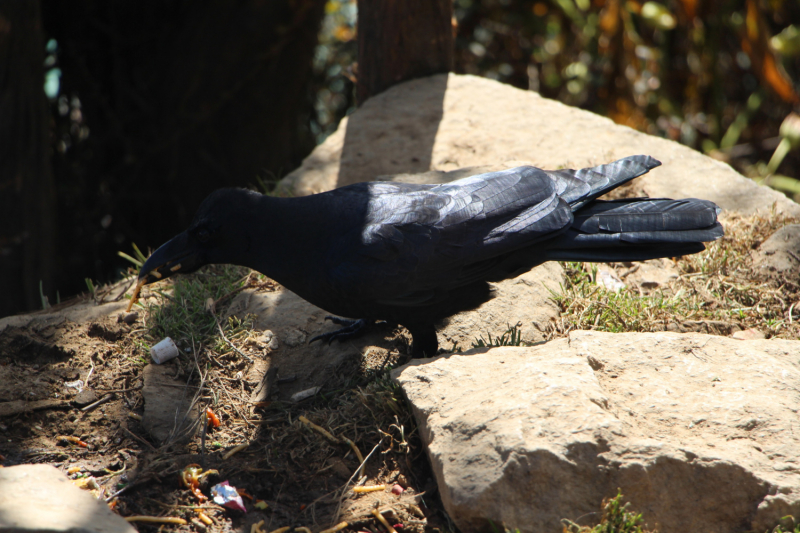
(423, 337)
(350, 330)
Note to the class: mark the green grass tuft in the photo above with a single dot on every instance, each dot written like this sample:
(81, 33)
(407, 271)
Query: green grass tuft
(787, 525)
(718, 291)
(183, 314)
(511, 337)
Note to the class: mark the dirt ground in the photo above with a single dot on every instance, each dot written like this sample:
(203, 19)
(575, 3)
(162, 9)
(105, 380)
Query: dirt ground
(53, 371)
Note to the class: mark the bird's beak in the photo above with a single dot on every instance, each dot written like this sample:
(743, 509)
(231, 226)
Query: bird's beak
(177, 256)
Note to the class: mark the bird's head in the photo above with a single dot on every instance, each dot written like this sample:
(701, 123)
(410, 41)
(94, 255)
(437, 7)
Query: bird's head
(218, 234)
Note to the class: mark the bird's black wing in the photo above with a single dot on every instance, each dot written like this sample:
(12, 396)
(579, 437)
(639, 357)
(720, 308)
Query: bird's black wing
(579, 187)
(418, 241)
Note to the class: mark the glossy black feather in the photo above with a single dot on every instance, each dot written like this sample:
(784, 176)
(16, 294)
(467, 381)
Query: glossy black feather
(415, 254)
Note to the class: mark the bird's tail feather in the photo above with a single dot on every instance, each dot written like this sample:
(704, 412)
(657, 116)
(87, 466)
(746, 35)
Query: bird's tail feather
(637, 229)
(619, 255)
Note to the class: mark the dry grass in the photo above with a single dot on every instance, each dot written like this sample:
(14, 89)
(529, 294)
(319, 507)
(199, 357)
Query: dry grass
(717, 291)
(297, 470)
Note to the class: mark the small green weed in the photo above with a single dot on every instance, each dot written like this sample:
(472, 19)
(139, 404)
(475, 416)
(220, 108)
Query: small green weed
(137, 259)
(268, 183)
(511, 337)
(788, 525)
(90, 286)
(42, 297)
(236, 329)
(626, 310)
(616, 519)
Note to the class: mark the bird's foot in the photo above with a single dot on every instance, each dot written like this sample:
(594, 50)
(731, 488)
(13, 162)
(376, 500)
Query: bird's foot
(350, 330)
(424, 341)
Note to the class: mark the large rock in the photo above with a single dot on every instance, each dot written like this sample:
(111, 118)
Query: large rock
(447, 122)
(697, 430)
(79, 310)
(39, 498)
(780, 254)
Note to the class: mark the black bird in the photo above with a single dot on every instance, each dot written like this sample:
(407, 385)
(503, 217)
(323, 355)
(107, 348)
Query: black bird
(415, 254)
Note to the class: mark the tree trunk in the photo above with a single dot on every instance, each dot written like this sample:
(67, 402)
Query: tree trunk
(399, 40)
(27, 201)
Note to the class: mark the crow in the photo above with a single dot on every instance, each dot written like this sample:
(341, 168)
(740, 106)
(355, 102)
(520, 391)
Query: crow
(415, 254)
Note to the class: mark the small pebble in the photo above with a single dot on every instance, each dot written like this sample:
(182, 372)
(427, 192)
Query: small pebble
(750, 334)
(85, 397)
(397, 489)
(128, 318)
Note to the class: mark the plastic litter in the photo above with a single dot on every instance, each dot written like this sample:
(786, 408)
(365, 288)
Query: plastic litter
(226, 496)
(303, 394)
(164, 351)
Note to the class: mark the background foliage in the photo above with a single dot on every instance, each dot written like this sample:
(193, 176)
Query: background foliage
(154, 105)
(716, 75)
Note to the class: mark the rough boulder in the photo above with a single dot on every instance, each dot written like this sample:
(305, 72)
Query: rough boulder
(443, 123)
(697, 430)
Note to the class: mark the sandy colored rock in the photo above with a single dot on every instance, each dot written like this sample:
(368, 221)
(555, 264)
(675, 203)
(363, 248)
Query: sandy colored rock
(651, 274)
(698, 431)
(525, 299)
(39, 498)
(749, 334)
(447, 122)
(780, 253)
(79, 309)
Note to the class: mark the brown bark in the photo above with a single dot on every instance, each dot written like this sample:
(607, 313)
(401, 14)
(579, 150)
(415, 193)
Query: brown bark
(27, 200)
(399, 40)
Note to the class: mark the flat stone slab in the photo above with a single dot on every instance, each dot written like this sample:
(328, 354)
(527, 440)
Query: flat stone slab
(700, 432)
(169, 415)
(41, 499)
(79, 310)
(447, 122)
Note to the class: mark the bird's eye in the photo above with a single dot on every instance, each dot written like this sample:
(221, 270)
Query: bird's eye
(203, 235)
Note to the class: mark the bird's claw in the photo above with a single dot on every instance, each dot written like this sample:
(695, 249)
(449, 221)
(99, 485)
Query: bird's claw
(346, 322)
(350, 329)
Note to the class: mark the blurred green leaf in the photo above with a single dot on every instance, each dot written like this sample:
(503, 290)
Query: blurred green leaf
(784, 183)
(787, 42)
(734, 131)
(658, 16)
